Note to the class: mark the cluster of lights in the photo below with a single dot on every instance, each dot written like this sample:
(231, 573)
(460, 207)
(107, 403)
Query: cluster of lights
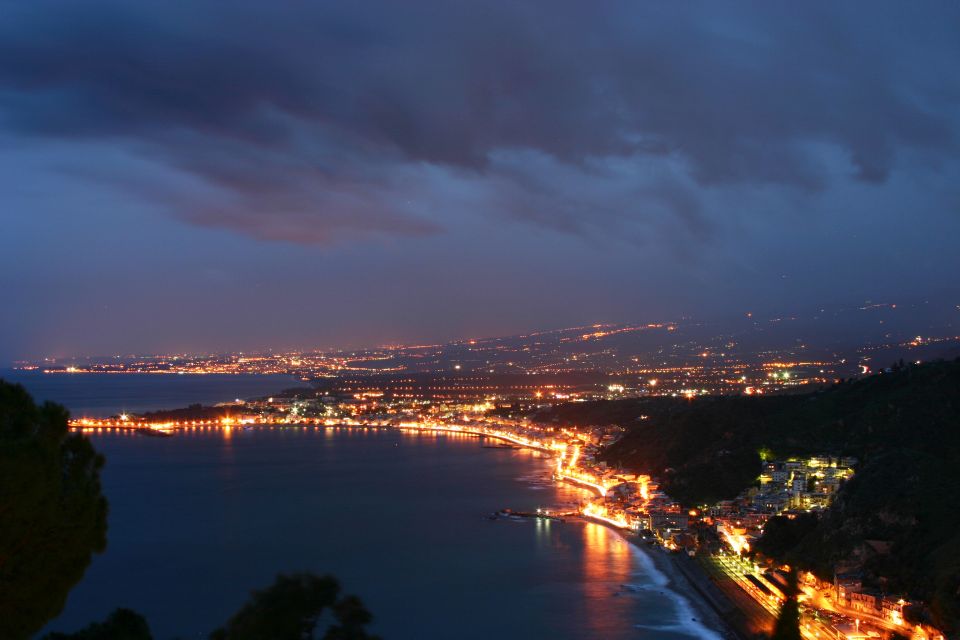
(600, 512)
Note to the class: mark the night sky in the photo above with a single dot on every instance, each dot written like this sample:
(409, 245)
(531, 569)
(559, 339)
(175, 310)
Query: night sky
(232, 175)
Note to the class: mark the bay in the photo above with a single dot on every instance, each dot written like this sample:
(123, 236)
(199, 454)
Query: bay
(98, 395)
(200, 519)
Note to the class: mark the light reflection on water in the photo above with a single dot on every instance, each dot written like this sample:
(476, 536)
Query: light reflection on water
(203, 517)
(99, 395)
(606, 562)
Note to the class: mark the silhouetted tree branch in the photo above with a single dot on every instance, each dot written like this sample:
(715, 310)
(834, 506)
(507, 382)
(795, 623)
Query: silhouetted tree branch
(122, 624)
(788, 623)
(291, 609)
(53, 516)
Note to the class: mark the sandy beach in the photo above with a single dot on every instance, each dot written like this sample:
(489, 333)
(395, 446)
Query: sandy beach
(698, 617)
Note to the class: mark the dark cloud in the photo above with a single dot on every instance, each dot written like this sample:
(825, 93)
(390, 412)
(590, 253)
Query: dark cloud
(316, 122)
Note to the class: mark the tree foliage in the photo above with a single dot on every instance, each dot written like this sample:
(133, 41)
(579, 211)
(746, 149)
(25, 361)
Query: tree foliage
(293, 607)
(122, 624)
(788, 622)
(53, 515)
(782, 534)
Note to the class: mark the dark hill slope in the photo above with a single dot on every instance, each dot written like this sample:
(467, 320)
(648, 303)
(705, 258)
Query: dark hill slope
(692, 444)
(904, 427)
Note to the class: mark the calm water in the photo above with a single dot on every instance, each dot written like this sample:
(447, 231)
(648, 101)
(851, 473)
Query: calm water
(200, 519)
(100, 395)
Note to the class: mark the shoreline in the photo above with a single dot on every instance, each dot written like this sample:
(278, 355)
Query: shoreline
(696, 614)
(705, 614)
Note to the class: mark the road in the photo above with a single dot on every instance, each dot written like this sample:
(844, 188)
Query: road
(819, 617)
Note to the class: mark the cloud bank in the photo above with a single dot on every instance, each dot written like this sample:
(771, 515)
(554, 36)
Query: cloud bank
(321, 123)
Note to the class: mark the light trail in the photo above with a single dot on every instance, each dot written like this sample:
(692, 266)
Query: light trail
(599, 512)
(505, 436)
(583, 481)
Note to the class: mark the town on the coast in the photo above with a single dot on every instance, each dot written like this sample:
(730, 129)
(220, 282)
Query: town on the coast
(712, 545)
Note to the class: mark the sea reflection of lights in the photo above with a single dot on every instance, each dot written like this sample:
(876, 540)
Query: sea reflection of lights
(607, 564)
(543, 529)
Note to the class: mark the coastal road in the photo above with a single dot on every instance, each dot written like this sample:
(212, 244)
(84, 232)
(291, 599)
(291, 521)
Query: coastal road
(761, 608)
(759, 618)
(867, 621)
(816, 622)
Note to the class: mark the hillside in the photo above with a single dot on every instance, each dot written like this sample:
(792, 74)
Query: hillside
(904, 427)
(691, 445)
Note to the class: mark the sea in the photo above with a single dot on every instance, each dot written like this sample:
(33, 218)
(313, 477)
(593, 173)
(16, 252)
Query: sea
(200, 519)
(99, 395)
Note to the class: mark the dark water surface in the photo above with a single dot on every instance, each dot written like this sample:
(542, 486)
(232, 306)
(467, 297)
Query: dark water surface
(96, 395)
(199, 519)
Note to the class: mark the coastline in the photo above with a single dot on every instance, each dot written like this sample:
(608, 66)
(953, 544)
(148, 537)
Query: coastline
(696, 614)
(94, 395)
